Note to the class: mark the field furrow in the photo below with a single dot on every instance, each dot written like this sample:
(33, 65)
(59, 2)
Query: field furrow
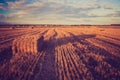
(60, 53)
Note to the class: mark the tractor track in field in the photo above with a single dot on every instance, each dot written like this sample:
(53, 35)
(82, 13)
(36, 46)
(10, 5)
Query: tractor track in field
(64, 55)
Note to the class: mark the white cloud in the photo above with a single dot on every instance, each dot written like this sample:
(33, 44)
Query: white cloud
(114, 14)
(108, 5)
(1, 5)
(21, 5)
(56, 11)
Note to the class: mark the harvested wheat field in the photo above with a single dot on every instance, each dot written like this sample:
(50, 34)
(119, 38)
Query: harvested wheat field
(60, 53)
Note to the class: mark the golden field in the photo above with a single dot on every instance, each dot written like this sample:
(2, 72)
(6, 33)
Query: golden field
(60, 53)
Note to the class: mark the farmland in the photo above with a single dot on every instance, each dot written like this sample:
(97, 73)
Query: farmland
(60, 53)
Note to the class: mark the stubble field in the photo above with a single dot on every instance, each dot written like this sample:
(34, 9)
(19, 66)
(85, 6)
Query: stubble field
(60, 53)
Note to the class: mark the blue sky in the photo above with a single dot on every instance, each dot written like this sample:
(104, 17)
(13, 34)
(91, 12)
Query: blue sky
(60, 11)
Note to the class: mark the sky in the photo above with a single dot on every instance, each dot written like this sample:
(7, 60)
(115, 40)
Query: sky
(96, 12)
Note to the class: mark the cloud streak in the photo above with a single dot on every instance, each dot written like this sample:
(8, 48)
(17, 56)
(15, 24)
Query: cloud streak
(59, 11)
